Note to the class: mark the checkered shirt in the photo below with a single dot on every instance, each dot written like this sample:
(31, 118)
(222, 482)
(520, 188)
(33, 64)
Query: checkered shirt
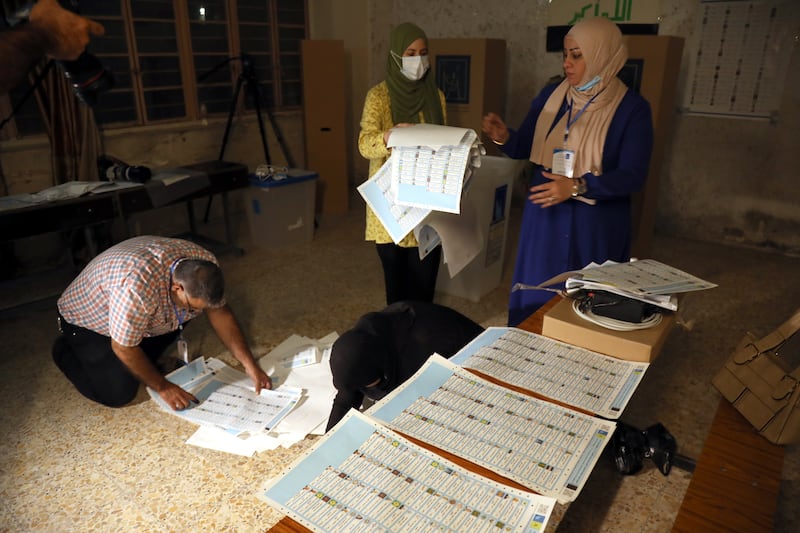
(123, 293)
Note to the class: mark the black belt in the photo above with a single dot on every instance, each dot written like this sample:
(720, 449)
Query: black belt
(65, 327)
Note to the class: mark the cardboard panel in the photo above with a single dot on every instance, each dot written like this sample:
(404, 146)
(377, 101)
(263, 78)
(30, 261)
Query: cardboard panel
(472, 74)
(324, 108)
(660, 56)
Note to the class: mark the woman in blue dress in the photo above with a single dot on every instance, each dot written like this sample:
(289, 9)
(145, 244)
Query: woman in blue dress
(589, 141)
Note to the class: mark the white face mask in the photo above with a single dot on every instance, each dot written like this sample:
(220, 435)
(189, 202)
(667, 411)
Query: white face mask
(414, 67)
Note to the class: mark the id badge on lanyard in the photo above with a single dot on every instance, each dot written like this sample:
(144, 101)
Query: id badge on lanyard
(182, 345)
(563, 162)
(564, 158)
(183, 348)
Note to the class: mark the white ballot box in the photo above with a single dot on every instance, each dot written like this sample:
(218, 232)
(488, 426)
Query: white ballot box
(489, 193)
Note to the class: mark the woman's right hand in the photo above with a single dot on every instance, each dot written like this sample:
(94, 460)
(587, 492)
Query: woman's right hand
(494, 128)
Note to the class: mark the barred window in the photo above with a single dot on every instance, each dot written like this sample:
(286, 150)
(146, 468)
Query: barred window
(178, 60)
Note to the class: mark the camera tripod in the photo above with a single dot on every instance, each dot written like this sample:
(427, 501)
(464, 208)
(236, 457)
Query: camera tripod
(248, 78)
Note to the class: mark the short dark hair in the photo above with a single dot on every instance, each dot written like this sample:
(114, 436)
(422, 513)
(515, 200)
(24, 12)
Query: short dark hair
(201, 279)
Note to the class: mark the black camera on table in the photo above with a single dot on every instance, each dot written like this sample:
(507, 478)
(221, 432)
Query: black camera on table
(111, 169)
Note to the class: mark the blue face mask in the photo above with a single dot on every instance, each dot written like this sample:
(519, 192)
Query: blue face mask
(589, 84)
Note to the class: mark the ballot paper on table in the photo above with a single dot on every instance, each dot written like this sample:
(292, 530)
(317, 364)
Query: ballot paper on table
(362, 476)
(546, 447)
(645, 280)
(227, 398)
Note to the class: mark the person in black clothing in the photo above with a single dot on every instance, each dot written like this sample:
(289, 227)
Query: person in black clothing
(387, 347)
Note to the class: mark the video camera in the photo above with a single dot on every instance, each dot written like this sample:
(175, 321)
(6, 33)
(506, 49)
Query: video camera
(88, 77)
(86, 74)
(630, 447)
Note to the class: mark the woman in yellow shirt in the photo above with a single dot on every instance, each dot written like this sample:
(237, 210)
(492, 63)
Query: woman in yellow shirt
(407, 96)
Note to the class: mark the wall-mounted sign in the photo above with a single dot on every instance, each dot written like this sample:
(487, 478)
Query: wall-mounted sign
(634, 17)
(568, 12)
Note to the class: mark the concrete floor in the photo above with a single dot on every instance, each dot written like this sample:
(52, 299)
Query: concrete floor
(70, 465)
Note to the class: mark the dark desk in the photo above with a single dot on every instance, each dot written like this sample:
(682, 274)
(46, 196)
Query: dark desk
(103, 208)
(223, 177)
(61, 215)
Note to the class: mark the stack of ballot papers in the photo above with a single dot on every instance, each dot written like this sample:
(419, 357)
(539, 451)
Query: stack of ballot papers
(428, 170)
(232, 418)
(645, 280)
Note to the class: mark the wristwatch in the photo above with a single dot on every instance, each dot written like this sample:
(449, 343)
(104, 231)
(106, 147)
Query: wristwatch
(578, 186)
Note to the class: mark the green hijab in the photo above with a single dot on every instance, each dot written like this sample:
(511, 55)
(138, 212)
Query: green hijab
(409, 97)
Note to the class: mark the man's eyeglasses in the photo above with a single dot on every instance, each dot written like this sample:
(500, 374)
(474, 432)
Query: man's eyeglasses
(186, 303)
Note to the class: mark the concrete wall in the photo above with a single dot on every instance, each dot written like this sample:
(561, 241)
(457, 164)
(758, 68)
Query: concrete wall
(723, 180)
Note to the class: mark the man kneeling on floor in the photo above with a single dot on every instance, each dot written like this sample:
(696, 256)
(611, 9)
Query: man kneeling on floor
(128, 305)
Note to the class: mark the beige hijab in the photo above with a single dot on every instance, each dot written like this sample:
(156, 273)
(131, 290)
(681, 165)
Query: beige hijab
(605, 54)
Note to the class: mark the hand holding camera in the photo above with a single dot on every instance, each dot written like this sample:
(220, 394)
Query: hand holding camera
(55, 31)
(67, 33)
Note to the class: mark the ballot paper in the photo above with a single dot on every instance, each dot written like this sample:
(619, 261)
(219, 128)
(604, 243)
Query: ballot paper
(431, 174)
(434, 136)
(398, 220)
(645, 280)
(419, 179)
(364, 477)
(586, 380)
(227, 398)
(645, 277)
(283, 364)
(544, 446)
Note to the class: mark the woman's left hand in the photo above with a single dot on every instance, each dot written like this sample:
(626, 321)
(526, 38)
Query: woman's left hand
(557, 190)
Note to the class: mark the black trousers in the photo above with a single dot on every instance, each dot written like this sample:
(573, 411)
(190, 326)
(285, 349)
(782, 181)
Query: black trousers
(405, 276)
(88, 361)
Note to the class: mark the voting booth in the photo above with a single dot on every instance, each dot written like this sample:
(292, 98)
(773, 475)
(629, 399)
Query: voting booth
(489, 194)
(471, 72)
(281, 211)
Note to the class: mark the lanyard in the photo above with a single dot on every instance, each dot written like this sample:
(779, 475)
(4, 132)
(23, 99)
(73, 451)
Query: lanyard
(570, 120)
(183, 348)
(181, 316)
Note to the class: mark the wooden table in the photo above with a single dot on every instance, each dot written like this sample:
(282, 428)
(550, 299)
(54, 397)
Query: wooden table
(736, 483)
(532, 324)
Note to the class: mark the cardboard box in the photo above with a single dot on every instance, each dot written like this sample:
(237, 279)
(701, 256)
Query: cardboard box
(643, 345)
(282, 212)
